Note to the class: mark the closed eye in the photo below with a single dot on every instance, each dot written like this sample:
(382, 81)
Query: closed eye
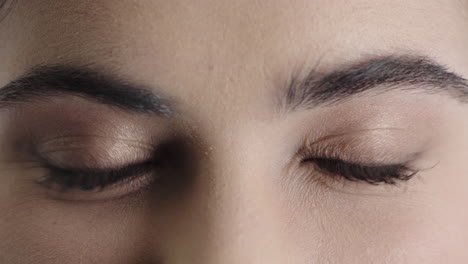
(381, 174)
(93, 179)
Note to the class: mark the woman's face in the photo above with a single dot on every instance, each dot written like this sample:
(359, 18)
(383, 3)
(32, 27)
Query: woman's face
(233, 131)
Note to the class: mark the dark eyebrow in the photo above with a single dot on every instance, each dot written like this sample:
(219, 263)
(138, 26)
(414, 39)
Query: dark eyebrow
(47, 81)
(379, 74)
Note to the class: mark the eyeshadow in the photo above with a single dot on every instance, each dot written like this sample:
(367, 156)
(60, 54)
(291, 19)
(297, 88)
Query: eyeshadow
(71, 129)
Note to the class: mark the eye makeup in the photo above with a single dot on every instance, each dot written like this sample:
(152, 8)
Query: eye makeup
(92, 163)
(383, 174)
(374, 156)
(98, 185)
(88, 166)
(341, 163)
(94, 152)
(84, 167)
(88, 152)
(370, 141)
(95, 179)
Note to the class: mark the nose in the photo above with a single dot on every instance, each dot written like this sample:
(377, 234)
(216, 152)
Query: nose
(232, 215)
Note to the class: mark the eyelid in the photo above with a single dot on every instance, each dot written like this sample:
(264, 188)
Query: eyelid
(69, 178)
(379, 153)
(116, 191)
(93, 152)
(375, 174)
(372, 147)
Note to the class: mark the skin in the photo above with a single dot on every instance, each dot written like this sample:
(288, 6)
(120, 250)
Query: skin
(245, 201)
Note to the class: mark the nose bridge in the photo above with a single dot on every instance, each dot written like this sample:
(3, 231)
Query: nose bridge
(241, 207)
(243, 222)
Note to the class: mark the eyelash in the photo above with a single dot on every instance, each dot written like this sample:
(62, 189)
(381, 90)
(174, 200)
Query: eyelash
(94, 179)
(383, 174)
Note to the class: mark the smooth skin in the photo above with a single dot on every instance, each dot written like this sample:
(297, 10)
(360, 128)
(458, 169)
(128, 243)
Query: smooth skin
(226, 64)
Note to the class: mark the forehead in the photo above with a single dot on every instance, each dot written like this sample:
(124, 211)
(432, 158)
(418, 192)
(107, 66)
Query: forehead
(243, 25)
(228, 48)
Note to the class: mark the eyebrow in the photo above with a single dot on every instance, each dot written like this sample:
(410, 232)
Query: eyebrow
(316, 89)
(377, 74)
(49, 81)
